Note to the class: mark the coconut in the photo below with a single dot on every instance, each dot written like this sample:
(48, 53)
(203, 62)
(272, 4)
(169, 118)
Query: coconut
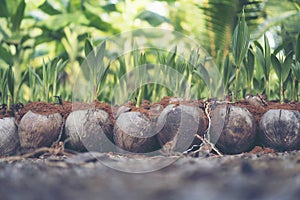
(178, 125)
(233, 129)
(37, 130)
(9, 140)
(280, 129)
(134, 132)
(122, 109)
(89, 130)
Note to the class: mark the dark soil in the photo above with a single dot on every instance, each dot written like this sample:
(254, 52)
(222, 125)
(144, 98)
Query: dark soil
(67, 107)
(259, 110)
(255, 175)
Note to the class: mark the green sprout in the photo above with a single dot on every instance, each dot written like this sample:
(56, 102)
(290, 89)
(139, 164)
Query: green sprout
(3, 88)
(282, 69)
(249, 66)
(264, 60)
(7, 91)
(296, 80)
(94, 67)
(48, 82)
(296, 71)
(240, 42)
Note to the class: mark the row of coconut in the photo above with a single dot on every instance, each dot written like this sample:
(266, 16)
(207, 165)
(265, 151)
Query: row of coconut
(233, 130)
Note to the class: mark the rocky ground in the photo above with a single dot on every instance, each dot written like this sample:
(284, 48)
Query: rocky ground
(258, 175)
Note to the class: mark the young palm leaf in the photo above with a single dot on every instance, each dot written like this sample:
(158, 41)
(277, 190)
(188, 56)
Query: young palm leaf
(94, 67)
(11, 86)
(3, 88)
(249, 65)
(264, 60)
(296, 81)
(240, 42)
(282, 70)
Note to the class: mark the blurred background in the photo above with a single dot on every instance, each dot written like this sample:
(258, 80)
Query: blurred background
(33, 32)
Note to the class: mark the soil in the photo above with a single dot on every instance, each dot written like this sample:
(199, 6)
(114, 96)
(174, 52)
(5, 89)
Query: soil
(256, 175)
(67, 107)
(259, 111)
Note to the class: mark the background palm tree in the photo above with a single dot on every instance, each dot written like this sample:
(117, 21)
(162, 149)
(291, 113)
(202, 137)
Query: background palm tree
(212, 21)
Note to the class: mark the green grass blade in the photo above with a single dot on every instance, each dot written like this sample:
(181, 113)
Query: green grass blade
(276, 65)
(23, 80)
(286, 66)
(18, 16)
(240, 40)
(88, 47)
(10, 82)
(267, 54)
(297, 51)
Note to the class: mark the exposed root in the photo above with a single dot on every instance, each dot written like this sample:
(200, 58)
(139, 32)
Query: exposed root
(205, 141)
(207, 112)
(57, 143)
(206, 138)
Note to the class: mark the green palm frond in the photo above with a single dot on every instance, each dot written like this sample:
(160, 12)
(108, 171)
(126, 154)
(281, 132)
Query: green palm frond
(221, 18)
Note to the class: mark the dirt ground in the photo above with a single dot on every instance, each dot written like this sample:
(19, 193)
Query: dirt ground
(256, 175)
(255, 105)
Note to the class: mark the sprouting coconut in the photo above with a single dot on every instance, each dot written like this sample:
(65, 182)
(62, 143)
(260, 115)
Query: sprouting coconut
(37, 130)
(134, 132)
(89, 130)
(280, 129)
(233, 129)
(9, 140)
(178, 125)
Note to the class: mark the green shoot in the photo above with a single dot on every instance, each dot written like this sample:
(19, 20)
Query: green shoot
(227, 73)
(96, 68)
(240, 42)
(296, 71)
(11, 87)
(33, 84)
(296, 80)
(264, 59)
(48, 81)
(249, 65)
(282, 69)
(3, 88)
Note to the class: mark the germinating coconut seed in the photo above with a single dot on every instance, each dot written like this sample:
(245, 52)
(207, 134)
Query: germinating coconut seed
(89, 130)
(9, 140)
(134, 132)
(232, 129)
(178, 126)
(280, 129)
(37, 130)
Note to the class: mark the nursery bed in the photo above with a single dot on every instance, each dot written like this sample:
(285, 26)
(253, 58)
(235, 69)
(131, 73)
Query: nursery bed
(255, 105)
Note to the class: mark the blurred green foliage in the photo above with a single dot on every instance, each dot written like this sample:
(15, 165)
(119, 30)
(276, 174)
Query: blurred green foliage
(57, 31)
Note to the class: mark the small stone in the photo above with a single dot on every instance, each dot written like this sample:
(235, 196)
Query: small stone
(175, 99)
(280, 129)
(9, 139)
